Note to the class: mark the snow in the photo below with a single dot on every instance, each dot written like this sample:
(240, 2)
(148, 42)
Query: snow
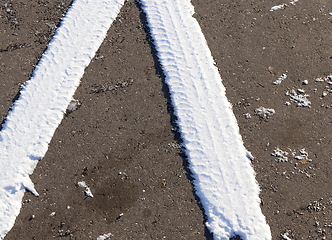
(299, 97)
(224, 178)
(87, 191)
(280, 79)
(280, 154)
(281, 6)
(73, 106)
(105, 236)
(247, 115)
(264, 112)
(29, 127)
(293, 2)
(285, 236)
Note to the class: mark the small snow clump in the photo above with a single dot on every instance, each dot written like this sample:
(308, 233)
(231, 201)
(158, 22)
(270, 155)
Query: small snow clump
(264, 112)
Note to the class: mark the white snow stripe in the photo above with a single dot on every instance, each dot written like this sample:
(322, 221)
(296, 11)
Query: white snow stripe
(30, 126)
(224, 178)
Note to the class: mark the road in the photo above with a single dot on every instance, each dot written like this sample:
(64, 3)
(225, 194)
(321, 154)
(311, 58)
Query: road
(252, 47)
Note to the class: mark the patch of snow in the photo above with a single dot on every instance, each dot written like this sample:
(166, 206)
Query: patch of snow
(280, 154)
(73, 106)
(224, 178)
(293, 2)
(30, 125)
(303, 157)
(174, 145)
(301, 99)
(247, 115)
(300, 91)
(282, 6)
(303, 152)
(264, 112)
(104, 237)
(324, 79)
(285, 236)
(280, 79)
(87, 191)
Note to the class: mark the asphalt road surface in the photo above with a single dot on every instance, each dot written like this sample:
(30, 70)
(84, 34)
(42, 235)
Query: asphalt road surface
(123, 143)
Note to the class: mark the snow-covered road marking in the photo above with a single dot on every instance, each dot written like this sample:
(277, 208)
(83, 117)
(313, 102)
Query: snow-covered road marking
(224, 179)
(29, 127)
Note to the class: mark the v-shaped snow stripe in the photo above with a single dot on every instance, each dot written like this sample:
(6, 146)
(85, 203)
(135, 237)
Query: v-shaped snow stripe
(224, 179)
(30, 126)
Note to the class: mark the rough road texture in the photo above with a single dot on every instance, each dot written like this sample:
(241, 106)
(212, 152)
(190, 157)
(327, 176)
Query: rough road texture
(288, 39)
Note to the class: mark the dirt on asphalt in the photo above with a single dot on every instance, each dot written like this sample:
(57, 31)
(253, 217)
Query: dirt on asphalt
(122, 140)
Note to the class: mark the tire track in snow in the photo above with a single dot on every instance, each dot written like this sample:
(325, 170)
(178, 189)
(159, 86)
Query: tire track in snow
(29, 127)
(224, 178)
